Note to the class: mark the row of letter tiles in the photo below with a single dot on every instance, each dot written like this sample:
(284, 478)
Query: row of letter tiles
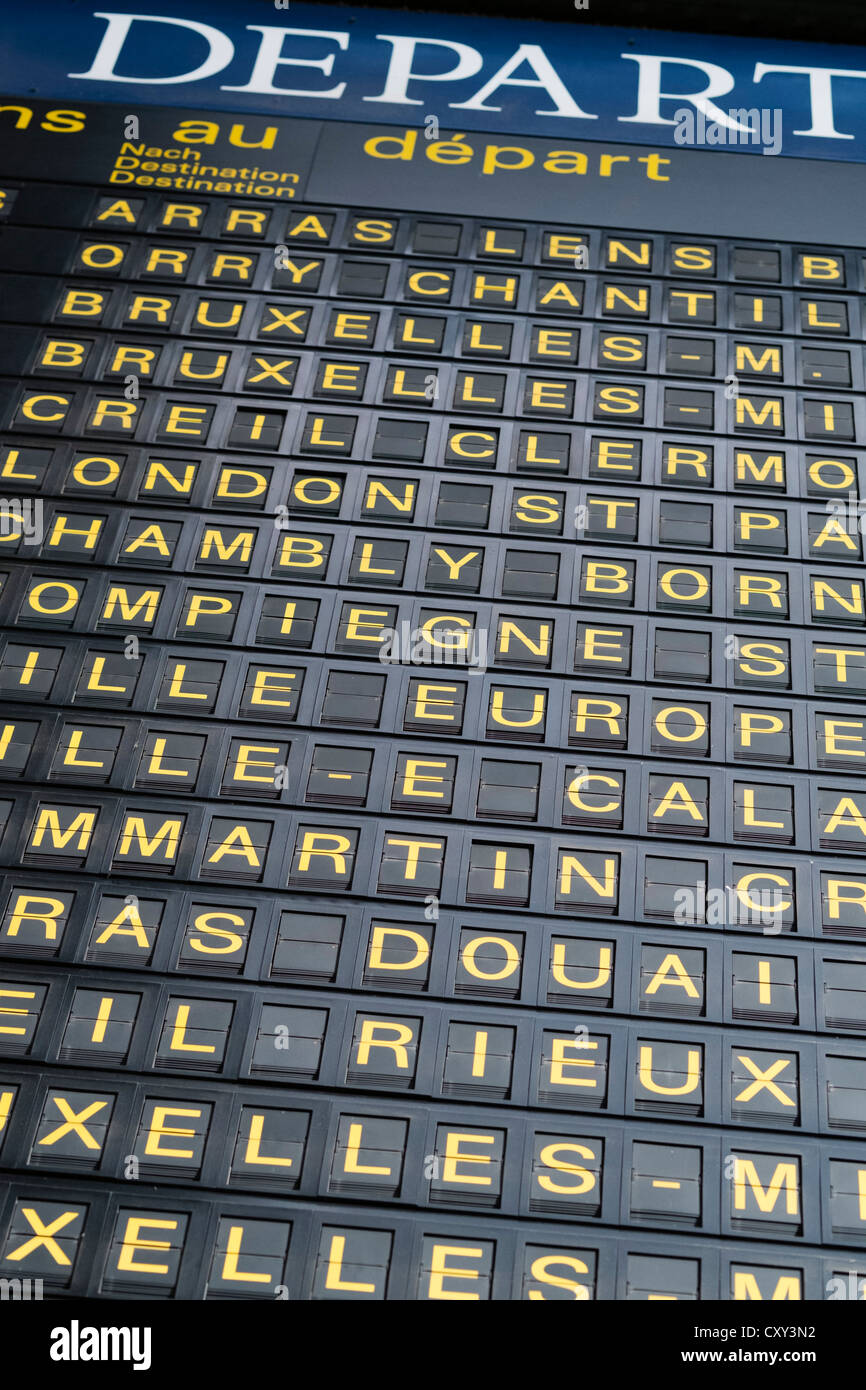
(335, 850)
(319, 943)
(386, 555)
(318, 851)
(348, 488)
(740, 889)
(104, 1243)
(772, 338)
(503, 240)
(460, 784)
(565, 286)
(409, 1154)
(443, 508)
(596, 646)
(273, 420)
(354, 328)
(262, 426)
(462, 634)
(281, 1035)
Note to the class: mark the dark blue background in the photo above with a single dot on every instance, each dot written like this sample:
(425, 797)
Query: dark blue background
(44, 43)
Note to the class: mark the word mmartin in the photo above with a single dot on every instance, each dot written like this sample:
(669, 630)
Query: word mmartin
(76, 1343)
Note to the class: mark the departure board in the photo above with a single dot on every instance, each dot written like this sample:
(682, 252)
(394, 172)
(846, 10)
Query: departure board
(433, 658)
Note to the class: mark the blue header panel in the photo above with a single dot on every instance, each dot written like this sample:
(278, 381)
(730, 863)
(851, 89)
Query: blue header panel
(571, 80)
